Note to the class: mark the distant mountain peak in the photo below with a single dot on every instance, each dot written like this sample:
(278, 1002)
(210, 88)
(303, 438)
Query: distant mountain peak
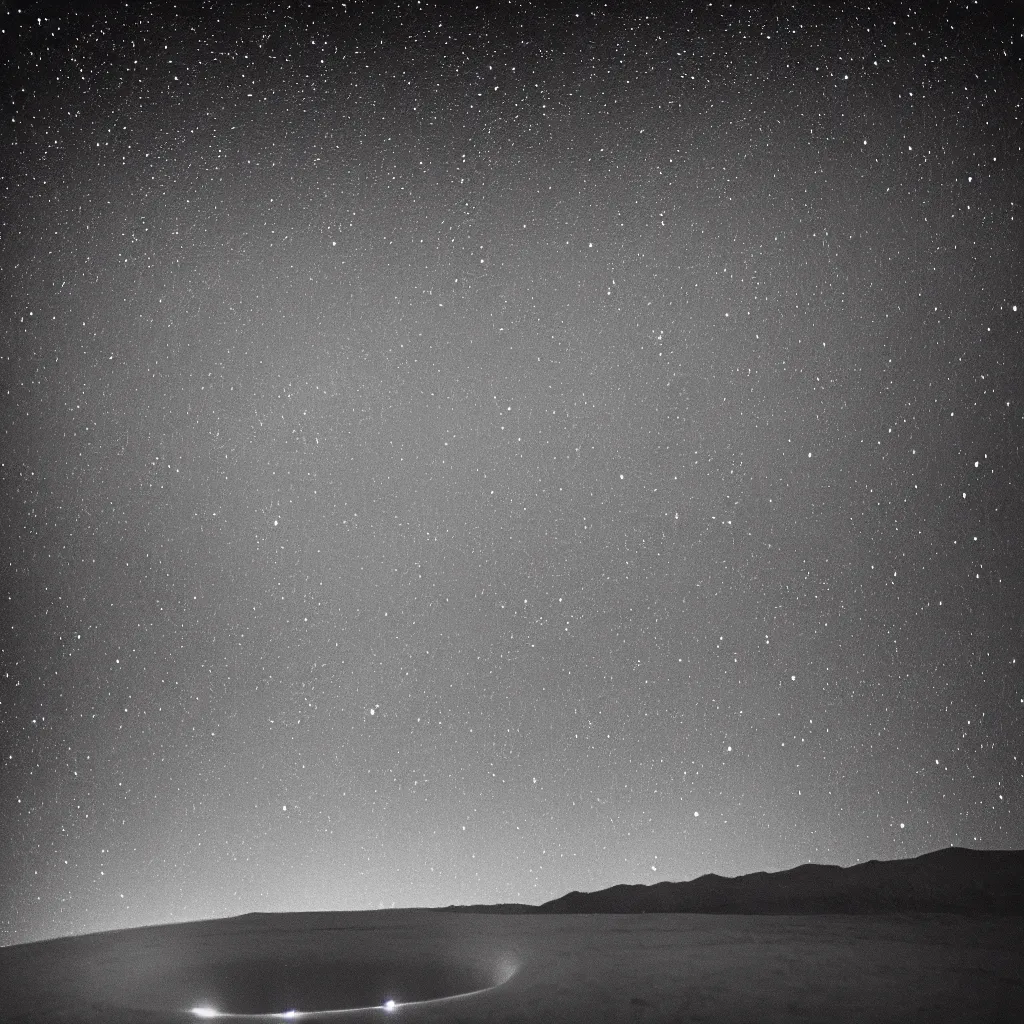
(949, 880)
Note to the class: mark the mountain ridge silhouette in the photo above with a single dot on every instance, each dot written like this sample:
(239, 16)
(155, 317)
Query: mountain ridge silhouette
(949, 880)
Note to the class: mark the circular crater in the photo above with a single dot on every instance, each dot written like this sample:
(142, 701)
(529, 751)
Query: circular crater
(282, 986)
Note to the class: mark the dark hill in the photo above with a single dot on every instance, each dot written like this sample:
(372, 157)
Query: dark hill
(950, 880)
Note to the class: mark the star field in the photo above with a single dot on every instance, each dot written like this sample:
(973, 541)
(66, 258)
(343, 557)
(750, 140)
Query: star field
(467, 457)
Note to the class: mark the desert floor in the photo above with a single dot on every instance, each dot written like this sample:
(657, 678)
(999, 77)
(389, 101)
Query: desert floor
(520, 968)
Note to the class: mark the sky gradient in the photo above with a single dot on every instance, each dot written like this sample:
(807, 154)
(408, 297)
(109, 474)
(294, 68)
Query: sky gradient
(458, 460)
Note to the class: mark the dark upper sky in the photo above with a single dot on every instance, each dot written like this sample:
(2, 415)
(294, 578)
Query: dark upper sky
(470, 459)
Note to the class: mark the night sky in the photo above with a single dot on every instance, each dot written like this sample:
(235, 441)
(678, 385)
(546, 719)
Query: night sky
(455, 458)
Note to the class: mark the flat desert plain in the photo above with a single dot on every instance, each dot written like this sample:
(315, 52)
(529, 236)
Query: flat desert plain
(414, 966)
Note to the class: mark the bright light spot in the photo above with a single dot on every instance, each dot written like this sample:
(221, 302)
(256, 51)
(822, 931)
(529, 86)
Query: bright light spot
(290, 1013)
(389, 1005)
(204, 1011)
